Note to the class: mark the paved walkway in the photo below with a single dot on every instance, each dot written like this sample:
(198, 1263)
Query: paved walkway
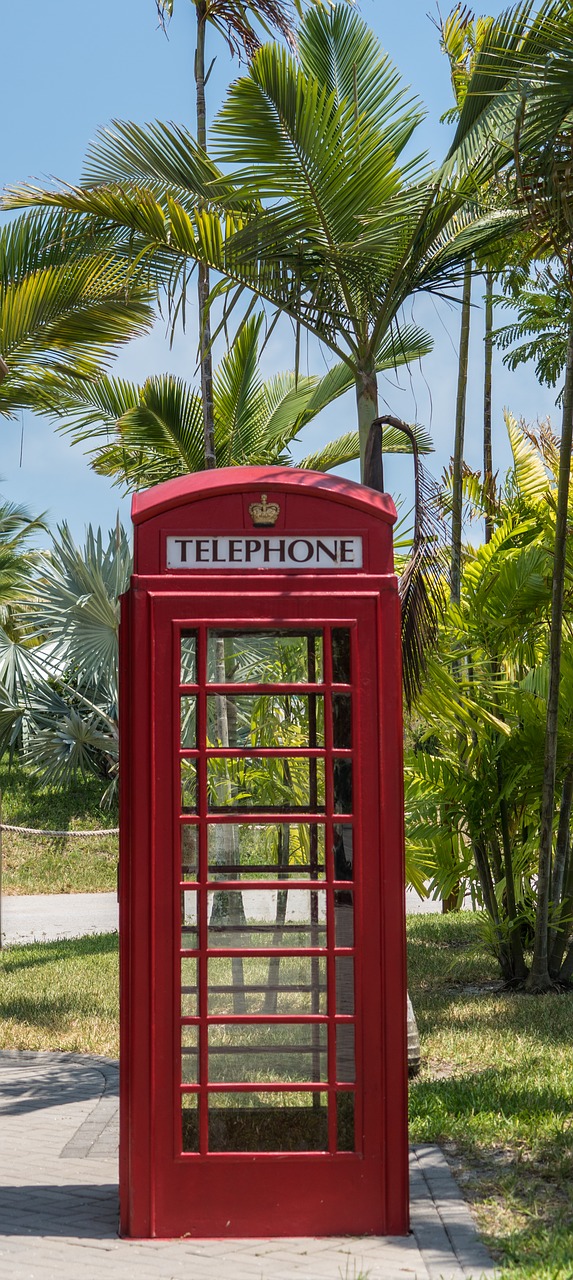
(59, 1204)
(40, 917)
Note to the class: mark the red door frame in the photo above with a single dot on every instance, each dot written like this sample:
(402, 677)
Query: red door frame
(163, 1192)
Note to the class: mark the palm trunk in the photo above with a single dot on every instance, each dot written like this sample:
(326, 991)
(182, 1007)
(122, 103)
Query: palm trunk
(457, 502)
(562, 884)
(488, 361)
(539, 978)
(204, 289)
(367, 404)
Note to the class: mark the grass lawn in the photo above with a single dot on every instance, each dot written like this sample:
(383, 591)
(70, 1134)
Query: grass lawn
(495, 1089)
(40, 864)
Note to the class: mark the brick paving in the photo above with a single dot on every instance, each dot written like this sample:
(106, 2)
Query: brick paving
(59, 1200)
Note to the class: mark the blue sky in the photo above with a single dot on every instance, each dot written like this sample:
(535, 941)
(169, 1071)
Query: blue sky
(68, 69)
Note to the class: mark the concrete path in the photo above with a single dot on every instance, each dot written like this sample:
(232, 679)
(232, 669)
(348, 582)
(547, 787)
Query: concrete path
(42, 917)
(59, 1201)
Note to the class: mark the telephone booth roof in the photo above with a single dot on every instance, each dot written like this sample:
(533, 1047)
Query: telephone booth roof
(228, 480)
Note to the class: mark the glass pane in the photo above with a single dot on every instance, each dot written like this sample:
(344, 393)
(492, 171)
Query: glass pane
(188, 657)
(341, 655)
(265, 720)
(345, 1121)
(189, 991)
(343, 918)
(264, 657)
(342, 782)
(268, 1122)
(343, 852)
(189, 852)
(267, 918)
(188, 786)
(259, 1053)
(188, 723)
(284, 784)
(189, 1055)
(342, 720)
(344, 984)
(345, 1062)
(269, 984)
(189, 931)
(254, 851)
(189, 1122)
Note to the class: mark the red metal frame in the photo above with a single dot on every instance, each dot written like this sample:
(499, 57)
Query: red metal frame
(165, 1191)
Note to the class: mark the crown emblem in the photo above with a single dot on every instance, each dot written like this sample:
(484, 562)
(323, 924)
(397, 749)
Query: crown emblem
(263, 513)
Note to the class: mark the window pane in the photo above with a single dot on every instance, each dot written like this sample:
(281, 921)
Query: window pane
(189, 991)
(345, 1121)
(343, 918)
(189, 1055)
(268, 1122)
(189, 1122)
(267, 918)
(188, 657)
(255, 1052)
(343, 852)
(344, 984)
(271, 984)
(342, 720)
(189, 852)
(345, 1062)
(284, 784)
(264, 657)
(265, 720)
(266, 851)
(341, 655)
(188, 786)
(188, 723)
(189, 931)
(342, 782)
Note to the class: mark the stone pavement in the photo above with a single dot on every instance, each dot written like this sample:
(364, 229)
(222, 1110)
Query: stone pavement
(40, 917)
(59, 1205)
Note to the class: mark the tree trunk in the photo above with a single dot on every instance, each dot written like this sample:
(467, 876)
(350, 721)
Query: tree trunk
(457, 502)
(562, 884)
(204, 288)
(539, 978)
(367, 404)
(488, 360)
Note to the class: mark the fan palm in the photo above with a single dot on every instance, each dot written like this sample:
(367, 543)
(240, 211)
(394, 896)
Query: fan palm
(64, 703)
(323, 215)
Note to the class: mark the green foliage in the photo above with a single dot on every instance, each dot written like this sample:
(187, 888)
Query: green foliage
(64, 306)
(155, 432)
(62, 709)
(495, 1091)
(477, 756)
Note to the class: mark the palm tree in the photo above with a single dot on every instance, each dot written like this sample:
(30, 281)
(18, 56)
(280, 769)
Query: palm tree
(233, 19)
(517, 109)
(323, 216)
(154, 432)
(64, 307)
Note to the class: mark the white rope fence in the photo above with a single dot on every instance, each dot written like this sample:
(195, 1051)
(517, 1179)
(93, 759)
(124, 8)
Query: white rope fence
(38, 831)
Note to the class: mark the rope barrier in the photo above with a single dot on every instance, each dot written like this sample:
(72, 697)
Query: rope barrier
(38, 831)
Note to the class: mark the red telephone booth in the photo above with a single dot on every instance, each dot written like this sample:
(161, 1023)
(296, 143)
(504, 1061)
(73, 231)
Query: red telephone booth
(263, 1040)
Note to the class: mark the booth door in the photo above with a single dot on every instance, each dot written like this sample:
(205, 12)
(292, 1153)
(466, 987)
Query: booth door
(267, 1064)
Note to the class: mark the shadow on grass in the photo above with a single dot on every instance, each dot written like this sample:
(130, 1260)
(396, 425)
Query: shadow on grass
(547, 1018)
(33, 954)
(493, 1091)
